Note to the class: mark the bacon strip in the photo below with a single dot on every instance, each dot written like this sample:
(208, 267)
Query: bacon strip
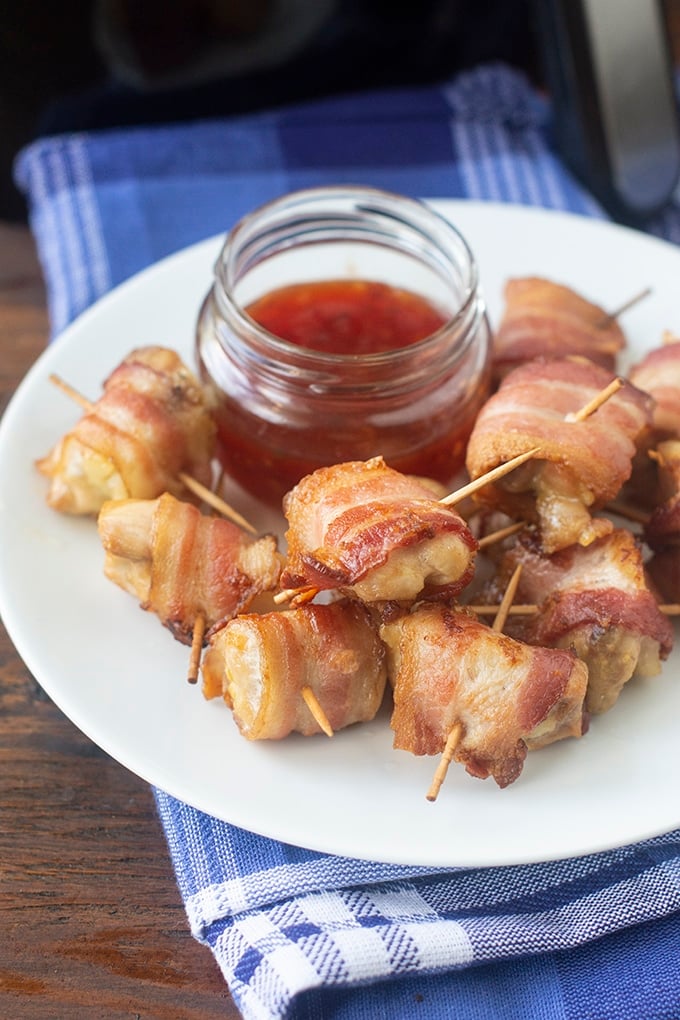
(152, 423)
(546, 319)
(369, 530)
(663, 526)
(446, 669)
(664, 572)
(261, 664)
(582, 464)
(596, 601)
(181, 564)
(658, 374)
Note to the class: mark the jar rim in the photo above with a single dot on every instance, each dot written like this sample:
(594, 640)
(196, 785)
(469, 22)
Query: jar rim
(376, 205)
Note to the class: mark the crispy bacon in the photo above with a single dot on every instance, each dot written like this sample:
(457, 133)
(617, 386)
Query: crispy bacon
(581, 464)
(371, 531)
(151, 423)
(546, 319)
(181, 564)
(447, 668)
(596, 601)
(664, 572)
(663, 527)
(658, 374)
(261, 664)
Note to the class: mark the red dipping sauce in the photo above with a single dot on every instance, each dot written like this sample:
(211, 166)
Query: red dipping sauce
(346, 316)
(338, 364)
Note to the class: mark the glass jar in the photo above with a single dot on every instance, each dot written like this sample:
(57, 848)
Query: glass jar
(282, 409)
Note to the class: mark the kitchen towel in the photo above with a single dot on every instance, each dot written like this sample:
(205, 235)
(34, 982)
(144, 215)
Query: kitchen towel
(299, 933)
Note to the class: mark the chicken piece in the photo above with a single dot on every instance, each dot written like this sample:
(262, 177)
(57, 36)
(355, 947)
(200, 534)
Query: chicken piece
(262, 664)
(368, 530)
(581, 465)
(181, 564)
(596, 601)
(151, 423)
(546, 319)
(447, 668)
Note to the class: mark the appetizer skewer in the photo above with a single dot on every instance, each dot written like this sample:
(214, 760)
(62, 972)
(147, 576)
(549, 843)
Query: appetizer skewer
(377, 534)
(193, 485)
(263, 664)
(546, 319)
(451, 672)
(659, 374)
(594, 600)
(398, 551)
(182, 564)
(368, 530)
(150, 427)
(583, 462)
(456, 733)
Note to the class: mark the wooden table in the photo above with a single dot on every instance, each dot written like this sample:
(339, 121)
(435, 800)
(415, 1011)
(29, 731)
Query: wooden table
(92, 924)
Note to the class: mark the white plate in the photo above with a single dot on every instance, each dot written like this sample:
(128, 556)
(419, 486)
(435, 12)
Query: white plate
(118, 674)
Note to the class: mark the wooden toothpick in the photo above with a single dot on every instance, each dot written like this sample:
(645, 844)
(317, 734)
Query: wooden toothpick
(488, 477)
(613, 316)
(598, 400)
(507, 600)
(216, 502)
(444, 762)
(196, 649)
(314, 706)
(206, 494)
(71, 392)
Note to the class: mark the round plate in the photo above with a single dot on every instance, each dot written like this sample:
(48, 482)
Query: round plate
(119, 675)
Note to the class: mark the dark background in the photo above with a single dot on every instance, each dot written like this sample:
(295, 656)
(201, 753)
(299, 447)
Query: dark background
(85, 64)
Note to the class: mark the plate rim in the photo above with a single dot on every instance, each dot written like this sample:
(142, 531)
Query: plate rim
(207, 249)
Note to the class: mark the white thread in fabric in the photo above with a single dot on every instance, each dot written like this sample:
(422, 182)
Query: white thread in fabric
(255, 889)
(475, 168)
(442, 944)
(44, 226)
(278, 970)
(93, 235)
(67, 225)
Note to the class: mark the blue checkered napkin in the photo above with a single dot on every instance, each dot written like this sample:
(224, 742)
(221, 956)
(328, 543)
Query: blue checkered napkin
(104, 206)
(298, 933)
(290, 924)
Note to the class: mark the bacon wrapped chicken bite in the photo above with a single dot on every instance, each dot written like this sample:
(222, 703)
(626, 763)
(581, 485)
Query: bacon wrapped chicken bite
(663, 526)
(581, 465)
(180, 563)
(664, 570)
(596, 601)
(448, 669)
(546, 319)
(151, 424)
(658, 374)
(262, 665)
(653, 482)
(374, 533)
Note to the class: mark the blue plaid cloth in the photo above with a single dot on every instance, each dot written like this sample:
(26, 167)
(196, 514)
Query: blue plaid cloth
(299, 933)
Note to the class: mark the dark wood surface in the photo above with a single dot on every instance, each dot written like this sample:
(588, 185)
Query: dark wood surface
(91, 920)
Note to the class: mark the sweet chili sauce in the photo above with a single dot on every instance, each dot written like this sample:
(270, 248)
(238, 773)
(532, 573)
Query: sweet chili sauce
(354, 317)
(268, 450)
(322, 371)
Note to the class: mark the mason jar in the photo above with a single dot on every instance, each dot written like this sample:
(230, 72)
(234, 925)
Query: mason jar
(388, 345)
